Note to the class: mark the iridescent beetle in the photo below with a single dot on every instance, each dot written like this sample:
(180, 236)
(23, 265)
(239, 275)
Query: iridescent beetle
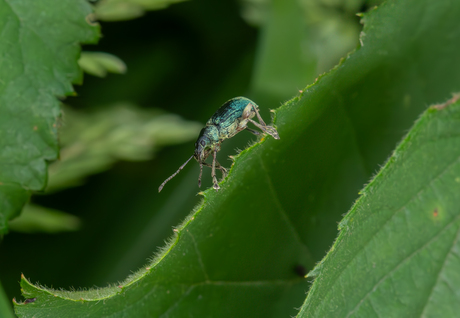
(231, 118)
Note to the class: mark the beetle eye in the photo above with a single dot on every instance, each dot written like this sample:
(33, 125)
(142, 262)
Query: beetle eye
(202, 143)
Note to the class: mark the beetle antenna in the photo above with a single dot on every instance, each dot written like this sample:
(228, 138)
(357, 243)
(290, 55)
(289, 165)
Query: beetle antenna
(175, 173)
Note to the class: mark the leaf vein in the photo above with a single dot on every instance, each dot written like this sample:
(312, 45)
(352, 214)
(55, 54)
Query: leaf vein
(403, 261)
(284, 215)
(200, 260)
(430, 295)
(389, 219)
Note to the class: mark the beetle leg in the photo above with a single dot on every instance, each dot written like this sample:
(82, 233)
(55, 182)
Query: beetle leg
(263, 126)
(261, 121)
(255, 132)
(201, 173)
(213, 172)
(267, 129)
(247, 112)
(222, 169)
(218, 166)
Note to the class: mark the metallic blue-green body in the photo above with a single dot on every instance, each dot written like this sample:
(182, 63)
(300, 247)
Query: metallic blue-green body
(227, 116)
(226, 122)
(231, 118)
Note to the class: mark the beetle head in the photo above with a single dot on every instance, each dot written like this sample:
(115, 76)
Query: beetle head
(203, 146)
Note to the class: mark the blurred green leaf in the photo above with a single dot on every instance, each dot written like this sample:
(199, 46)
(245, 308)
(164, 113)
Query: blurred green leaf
(37, 63)
(330, 29)
(37, 219)
(116, 10)
(275, 81)
(400, 241)
(99, 63)
(333, 30)
(255, 12)
(244, 250)
(93, 142)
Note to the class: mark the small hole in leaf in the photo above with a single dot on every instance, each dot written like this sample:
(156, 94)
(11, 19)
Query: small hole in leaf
(30, 300)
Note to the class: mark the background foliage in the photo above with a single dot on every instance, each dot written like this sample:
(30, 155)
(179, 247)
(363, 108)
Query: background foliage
(240, 247)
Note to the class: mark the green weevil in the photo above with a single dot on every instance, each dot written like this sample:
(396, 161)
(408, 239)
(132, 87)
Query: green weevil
(231, 118)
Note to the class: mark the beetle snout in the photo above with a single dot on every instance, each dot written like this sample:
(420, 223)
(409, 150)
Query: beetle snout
(199, 152)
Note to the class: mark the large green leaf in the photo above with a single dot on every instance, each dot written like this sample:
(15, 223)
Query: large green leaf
(243, 251)
(397, 252)
(39, 52)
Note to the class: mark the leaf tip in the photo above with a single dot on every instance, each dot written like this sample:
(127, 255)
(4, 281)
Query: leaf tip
(315, 272)
(91, 19)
